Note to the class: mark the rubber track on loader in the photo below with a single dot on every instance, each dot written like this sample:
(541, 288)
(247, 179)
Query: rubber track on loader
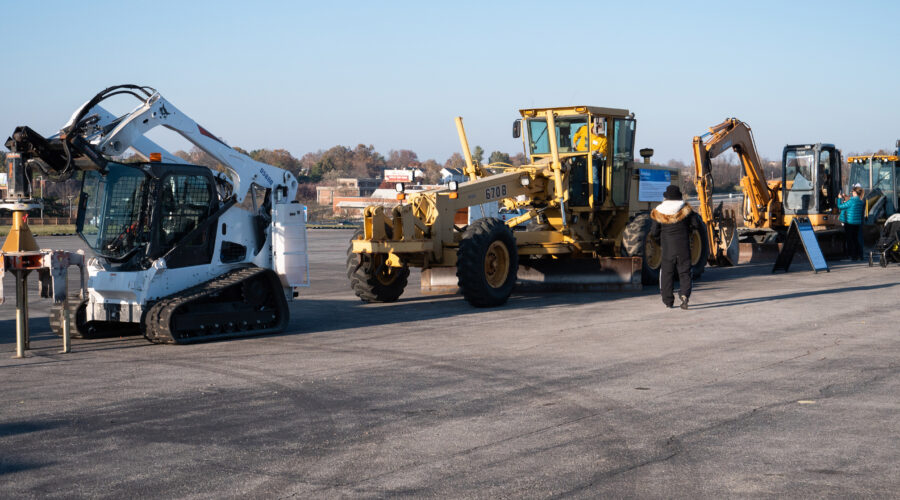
(218, 309)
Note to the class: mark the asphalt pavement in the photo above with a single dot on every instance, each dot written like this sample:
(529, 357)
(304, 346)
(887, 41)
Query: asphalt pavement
(780, 385)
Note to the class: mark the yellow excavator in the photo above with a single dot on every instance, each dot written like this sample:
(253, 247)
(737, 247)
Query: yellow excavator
(808, 188)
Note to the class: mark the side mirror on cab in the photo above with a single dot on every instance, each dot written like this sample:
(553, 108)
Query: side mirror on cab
(517, 129)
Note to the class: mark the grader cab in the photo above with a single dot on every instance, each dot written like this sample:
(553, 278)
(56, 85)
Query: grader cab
(584, 205)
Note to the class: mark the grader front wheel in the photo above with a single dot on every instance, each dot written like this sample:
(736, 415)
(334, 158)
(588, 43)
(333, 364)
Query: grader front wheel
(372, 280)
(487, 263)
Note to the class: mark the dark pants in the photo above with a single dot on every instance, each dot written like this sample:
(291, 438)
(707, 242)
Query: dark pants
(681, 264)
(854, 241)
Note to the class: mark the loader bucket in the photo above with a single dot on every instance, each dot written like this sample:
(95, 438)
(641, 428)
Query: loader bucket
(832, 243)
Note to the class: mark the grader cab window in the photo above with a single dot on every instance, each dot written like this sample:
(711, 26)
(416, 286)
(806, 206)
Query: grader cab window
(567, 130)
(623, 152)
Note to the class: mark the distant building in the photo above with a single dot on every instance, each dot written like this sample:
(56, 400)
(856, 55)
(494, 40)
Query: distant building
(453, 174)
(346, 187)
(353, 206)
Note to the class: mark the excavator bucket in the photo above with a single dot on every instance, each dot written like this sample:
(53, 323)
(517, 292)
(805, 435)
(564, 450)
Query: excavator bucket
(724, 251)
(727, 249)
(754, 253)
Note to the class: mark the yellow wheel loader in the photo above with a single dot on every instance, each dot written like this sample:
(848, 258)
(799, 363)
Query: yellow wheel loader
(584, 205)
(878, 175)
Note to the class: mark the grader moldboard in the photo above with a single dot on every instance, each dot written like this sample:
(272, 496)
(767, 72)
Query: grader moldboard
(585, 217)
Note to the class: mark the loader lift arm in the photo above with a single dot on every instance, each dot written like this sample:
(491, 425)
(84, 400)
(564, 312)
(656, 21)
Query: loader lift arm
(92, 136)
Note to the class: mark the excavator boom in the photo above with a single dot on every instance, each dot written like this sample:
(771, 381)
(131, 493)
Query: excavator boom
(759, 209)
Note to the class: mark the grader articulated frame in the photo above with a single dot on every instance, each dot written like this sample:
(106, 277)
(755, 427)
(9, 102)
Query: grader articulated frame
(585, 222)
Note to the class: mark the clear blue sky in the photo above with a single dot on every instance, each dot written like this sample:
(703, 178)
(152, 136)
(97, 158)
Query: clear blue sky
(308, 75)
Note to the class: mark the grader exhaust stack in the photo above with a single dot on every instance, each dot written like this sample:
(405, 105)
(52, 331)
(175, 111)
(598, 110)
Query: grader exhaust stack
(583, 217)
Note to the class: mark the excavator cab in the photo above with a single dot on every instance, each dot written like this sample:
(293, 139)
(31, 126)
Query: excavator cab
(811, 176)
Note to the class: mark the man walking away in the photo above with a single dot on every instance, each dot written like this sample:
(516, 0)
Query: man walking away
(671, 228)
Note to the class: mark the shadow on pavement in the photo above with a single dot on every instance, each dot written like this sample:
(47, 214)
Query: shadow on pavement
(753, 300)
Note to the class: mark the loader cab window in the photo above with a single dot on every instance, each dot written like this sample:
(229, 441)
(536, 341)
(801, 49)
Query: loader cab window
(623, 152)
(859, 174)
(113, 212)
(883, 180)
(184, 202)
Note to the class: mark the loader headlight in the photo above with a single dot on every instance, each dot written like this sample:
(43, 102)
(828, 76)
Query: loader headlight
(453, 185)
(525, 181)
(400, 187)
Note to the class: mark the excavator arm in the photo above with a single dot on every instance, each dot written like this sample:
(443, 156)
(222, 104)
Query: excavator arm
(758, 204)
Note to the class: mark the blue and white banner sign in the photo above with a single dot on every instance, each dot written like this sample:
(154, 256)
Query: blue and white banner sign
(653, 184)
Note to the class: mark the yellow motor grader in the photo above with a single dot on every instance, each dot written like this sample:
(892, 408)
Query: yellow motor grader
(584, 208)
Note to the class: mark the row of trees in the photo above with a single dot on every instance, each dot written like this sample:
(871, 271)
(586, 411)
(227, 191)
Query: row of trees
(363, 161)
(323, 167)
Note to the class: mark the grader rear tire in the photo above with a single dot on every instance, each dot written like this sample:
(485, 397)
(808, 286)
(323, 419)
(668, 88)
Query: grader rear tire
(636, 242)
(487, 263)
(372, 280)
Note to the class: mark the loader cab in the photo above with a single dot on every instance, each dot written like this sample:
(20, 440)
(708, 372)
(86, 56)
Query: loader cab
(811, 175)
(595, 145)
(131, 214)
(877, 174)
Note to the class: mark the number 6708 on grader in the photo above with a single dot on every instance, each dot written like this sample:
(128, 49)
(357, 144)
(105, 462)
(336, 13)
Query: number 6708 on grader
(584, 205)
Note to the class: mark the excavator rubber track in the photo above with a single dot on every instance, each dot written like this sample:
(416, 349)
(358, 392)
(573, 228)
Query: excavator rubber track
(242, 302)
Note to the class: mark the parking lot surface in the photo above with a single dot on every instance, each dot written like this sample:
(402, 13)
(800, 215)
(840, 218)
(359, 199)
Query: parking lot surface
(770, 385)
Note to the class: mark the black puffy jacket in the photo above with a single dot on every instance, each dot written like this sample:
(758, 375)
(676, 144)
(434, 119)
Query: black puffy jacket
(672, 226)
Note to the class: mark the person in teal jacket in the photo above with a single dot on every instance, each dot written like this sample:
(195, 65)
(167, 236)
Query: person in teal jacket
(852, 217)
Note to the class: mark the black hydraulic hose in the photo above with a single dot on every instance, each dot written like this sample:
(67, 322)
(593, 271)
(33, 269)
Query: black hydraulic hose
(104, 94)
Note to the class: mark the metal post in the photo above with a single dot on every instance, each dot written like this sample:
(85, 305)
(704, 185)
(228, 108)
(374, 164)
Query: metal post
(21, 318)
(25, 308)
(65, 327)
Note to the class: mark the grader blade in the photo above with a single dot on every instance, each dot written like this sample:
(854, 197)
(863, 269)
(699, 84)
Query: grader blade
(439, 281)
(605, 274)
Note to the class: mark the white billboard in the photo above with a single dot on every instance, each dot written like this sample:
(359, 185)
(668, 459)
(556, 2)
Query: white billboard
(391, 175)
